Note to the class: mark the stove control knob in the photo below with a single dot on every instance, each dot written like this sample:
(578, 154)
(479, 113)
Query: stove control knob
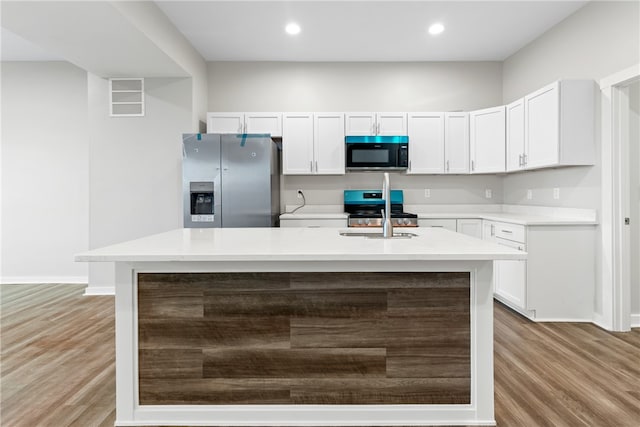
(360, 222)
(399, 221)
(367, 221)
(407, 221)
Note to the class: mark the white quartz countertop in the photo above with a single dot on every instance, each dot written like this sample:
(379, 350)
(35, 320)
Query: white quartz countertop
(300, 244)
(523, 215)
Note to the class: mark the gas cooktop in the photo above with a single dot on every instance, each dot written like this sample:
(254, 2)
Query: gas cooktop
(365, 209)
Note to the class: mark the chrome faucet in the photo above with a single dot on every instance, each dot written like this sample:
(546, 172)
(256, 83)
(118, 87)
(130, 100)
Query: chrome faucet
(387, 227)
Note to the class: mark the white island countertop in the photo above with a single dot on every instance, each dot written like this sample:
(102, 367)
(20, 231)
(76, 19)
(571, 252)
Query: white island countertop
(300, 244)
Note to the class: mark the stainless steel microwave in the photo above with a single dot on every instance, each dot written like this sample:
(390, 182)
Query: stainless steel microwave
(377, 153)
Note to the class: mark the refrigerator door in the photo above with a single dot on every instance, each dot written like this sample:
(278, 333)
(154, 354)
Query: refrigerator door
(246, 180)
(201, 180)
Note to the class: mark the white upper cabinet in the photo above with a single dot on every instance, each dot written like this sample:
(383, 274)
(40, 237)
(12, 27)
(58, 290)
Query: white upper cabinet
(367, 124)
(297, 144)
(313, 144)
(487, 140)
(559, 125)
(426, 143)
(515, 136)
(225, 122)
(328, 142)
(456, 143)
(270, 123)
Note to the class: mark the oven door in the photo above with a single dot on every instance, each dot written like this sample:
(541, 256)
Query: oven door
(376, 153)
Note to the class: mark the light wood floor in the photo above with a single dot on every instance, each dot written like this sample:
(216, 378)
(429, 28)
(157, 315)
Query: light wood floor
(57, 350)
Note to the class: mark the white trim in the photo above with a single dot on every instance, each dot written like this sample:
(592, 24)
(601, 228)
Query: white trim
(612, 240)
(620, 77)
(100, 290)
(635, 320)
(35, 280)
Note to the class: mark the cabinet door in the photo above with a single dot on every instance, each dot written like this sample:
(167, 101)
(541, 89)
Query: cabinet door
(515, 136)
(329, 147)
(470, 227)
(487, 140)
(391, 124)
(542, 126)
(360, 124)
(297, 144)
(449, 224)
(225, 122)
(426, 143)
(270, 123)
(511, 277)
(456, 142)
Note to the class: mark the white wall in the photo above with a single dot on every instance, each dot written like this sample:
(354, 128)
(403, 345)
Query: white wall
(135, 167)
(303, 86)
(45, 173)
(634, 162)
(598, 40)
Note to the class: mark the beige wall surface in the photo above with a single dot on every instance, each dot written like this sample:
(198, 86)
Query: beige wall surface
(598, 40)
(45, 172)
(379, 86)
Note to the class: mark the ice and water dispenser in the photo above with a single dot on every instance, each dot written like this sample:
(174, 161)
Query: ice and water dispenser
(201, 197)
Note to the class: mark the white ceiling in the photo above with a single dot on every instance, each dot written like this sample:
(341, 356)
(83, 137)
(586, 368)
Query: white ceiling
(331, 30)
(363, 30)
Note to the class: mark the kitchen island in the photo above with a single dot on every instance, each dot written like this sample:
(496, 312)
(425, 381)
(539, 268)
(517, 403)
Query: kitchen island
(303, 326)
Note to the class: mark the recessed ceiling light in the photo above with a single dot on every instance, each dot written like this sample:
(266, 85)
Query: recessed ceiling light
(292, 28)
(436, 29)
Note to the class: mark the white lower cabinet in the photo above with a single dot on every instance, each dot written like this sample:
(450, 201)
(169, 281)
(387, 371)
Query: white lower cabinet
(557, 281)
(449, 224)
(471, 227)
(313, 222)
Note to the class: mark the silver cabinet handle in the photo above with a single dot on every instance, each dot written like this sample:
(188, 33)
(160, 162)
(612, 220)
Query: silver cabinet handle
(520, 160)
(493, 230)
(524, 160)
(373, 129)
(240, 127)
(507, 231)
(409, 164)
(447, 165)
(378, 130)
(316, 166)
(310, 165)
(473, 165)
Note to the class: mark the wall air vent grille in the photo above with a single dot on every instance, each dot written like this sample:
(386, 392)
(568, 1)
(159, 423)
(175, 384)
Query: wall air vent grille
(126, 97)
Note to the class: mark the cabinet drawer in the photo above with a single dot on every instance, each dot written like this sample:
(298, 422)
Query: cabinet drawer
(449, 224)
(508, 231)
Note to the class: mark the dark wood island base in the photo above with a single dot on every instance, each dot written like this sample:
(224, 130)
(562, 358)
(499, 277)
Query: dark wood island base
(304, 338)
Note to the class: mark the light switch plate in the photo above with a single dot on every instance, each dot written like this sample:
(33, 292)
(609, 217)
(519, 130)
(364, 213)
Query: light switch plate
(427, 192)
(556, 193)
(529, 194)
(488, 193)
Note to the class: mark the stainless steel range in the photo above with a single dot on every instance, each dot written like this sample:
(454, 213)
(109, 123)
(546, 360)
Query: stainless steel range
(365, 209)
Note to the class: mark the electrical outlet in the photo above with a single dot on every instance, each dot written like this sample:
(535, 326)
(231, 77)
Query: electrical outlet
(529, 194)
(427, 192)
(299, 193)
(556, 193)
(488, 193)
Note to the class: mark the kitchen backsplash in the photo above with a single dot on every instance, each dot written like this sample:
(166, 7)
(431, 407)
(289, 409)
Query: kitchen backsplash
(454, 189)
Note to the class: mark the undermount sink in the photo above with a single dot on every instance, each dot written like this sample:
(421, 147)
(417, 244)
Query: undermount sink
(378, 235)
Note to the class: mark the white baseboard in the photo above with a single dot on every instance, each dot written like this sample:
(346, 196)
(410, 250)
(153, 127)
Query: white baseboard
(100, 290)
(34, 280)
(635, 320)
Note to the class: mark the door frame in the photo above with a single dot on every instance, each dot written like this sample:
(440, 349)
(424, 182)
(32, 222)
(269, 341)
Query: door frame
(615, 311)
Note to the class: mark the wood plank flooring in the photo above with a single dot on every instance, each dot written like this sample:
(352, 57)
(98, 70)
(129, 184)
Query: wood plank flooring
(57, 366)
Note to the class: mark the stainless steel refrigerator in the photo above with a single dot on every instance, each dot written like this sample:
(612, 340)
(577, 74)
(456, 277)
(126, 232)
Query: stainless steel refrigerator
(230, 180)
